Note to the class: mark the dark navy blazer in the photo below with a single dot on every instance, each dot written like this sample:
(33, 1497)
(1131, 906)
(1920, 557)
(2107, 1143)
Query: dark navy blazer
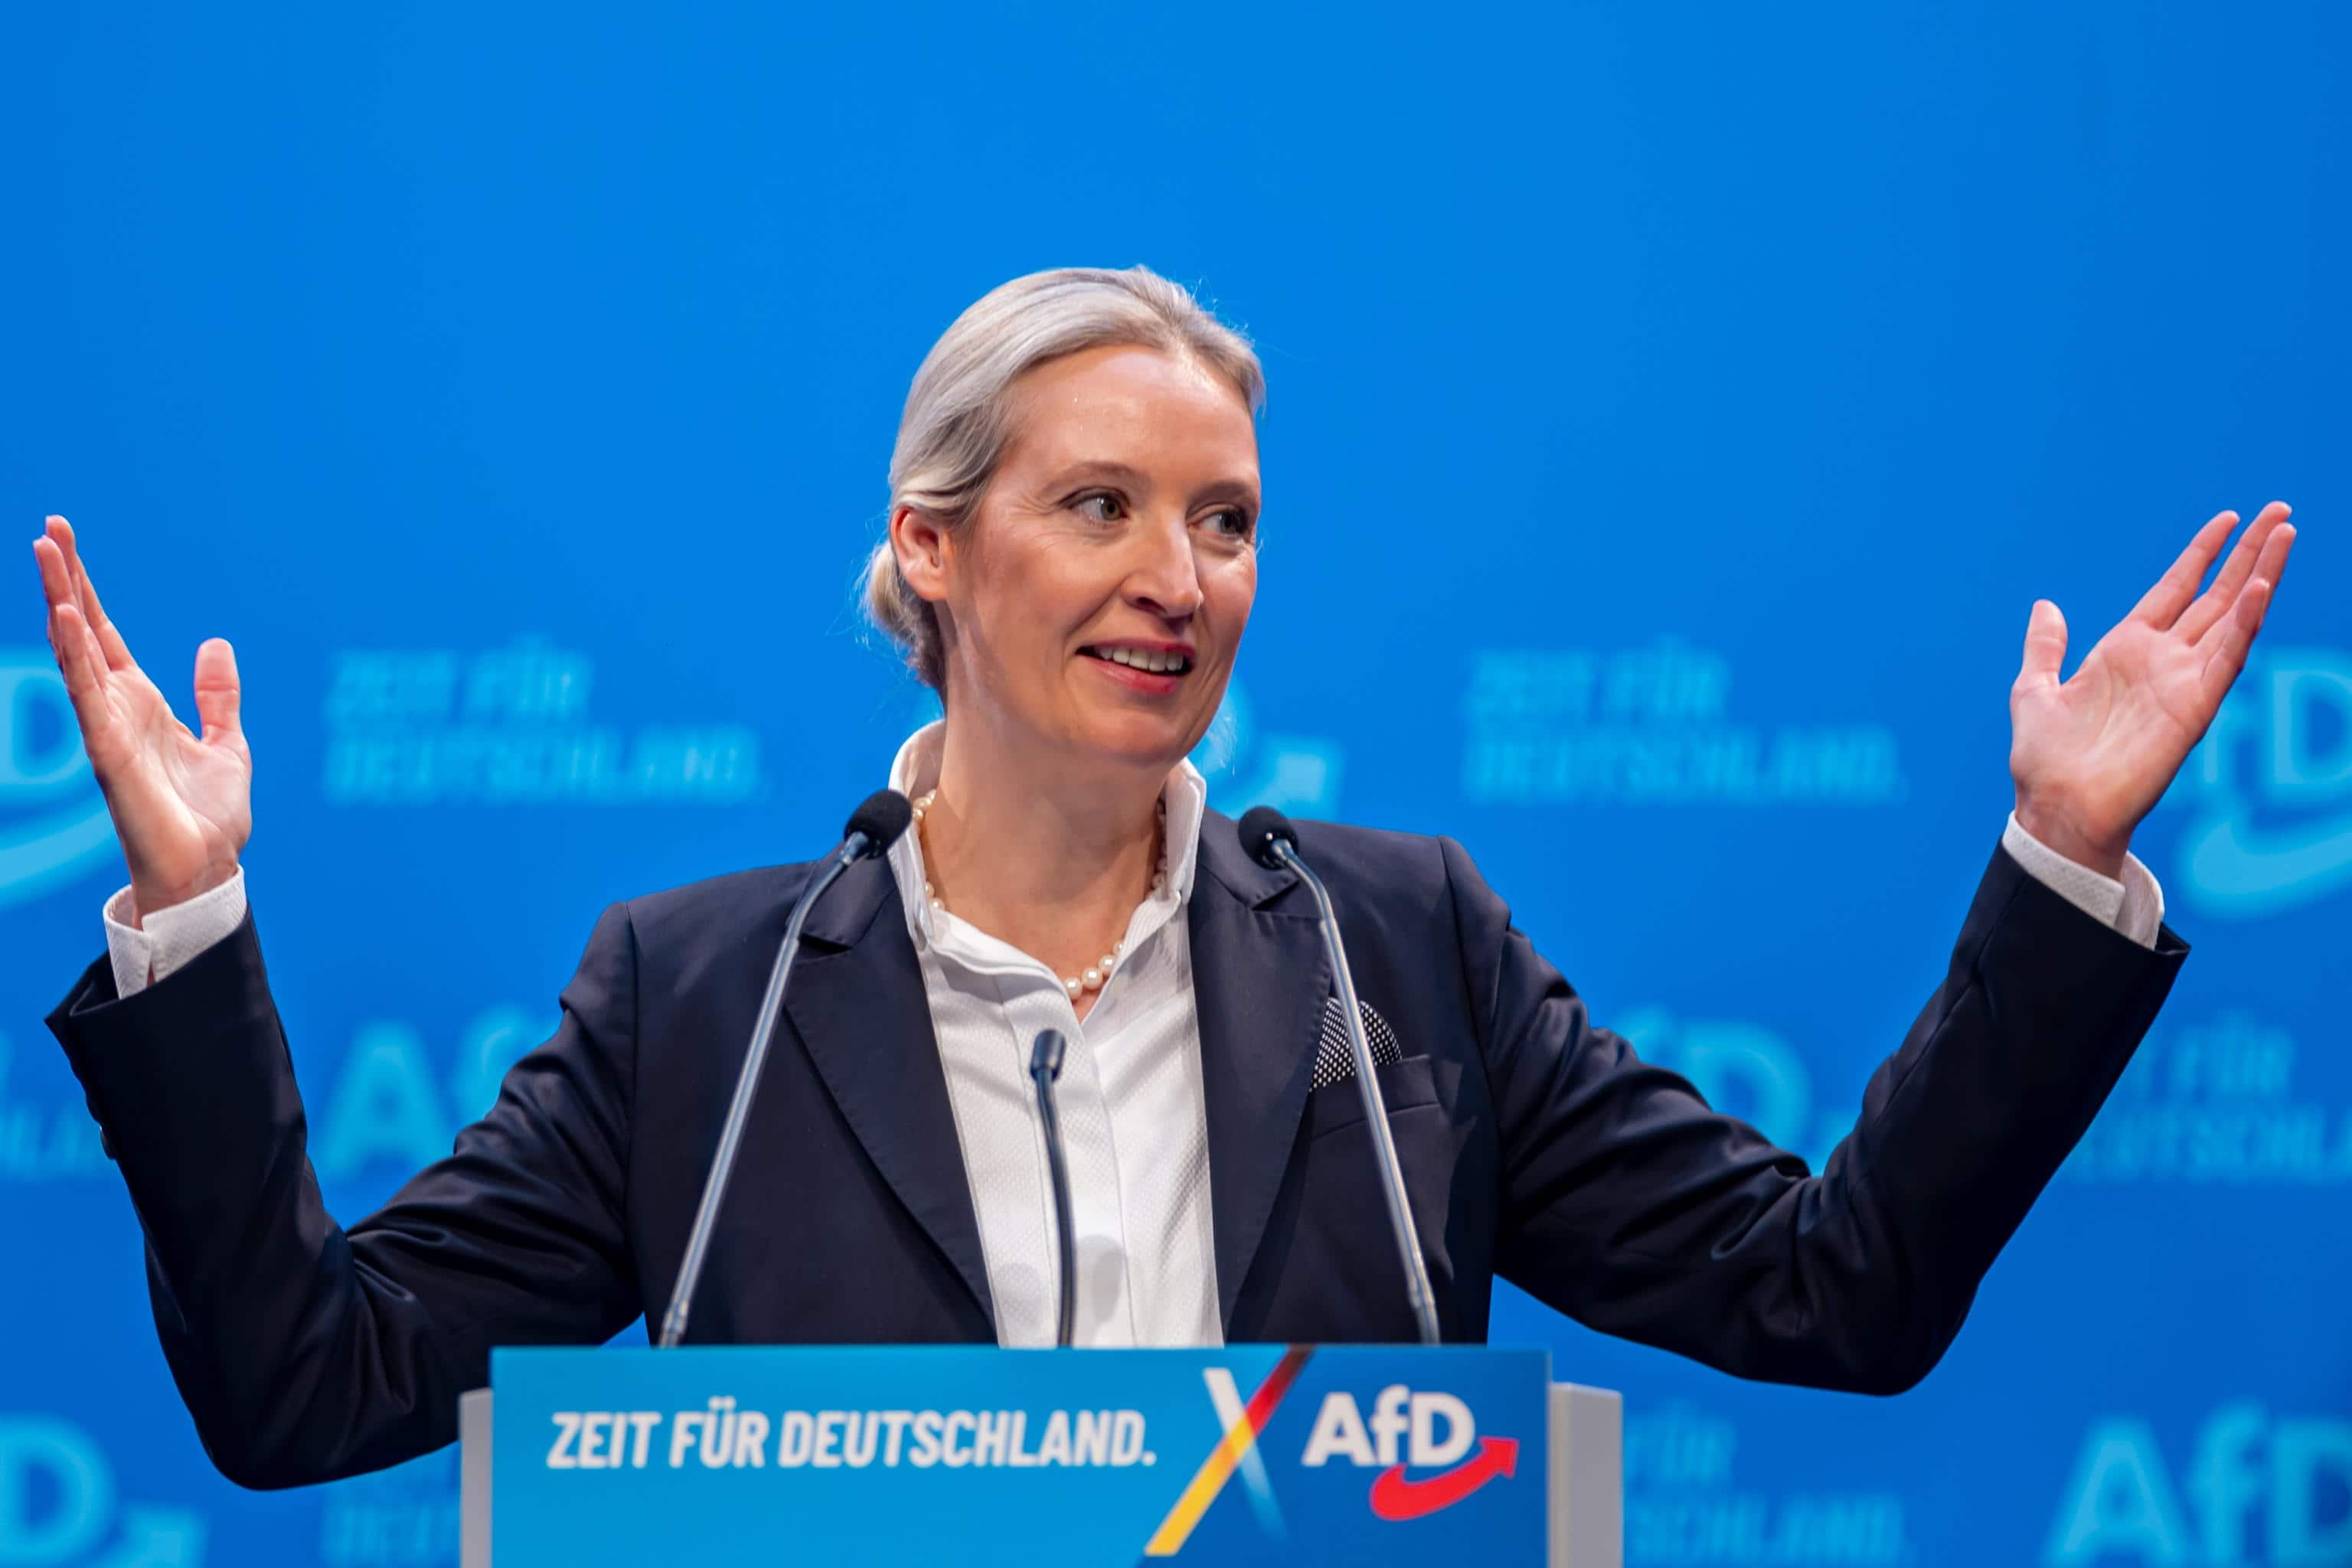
(1536, 1146)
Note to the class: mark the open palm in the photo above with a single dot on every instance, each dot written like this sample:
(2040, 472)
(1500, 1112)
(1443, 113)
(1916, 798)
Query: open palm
(2091, 756)
(182, 803)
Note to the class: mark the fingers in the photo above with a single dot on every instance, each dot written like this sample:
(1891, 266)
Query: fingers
(2232, 643)
(57, 578)
(2046, 647)
(110, 641)
(2215, 602)
(2162, 605)
(217, 692)
(2234, 637)
(69, 637)
(82, 665)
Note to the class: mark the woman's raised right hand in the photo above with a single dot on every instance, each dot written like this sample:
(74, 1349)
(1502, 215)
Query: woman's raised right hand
(182, 803)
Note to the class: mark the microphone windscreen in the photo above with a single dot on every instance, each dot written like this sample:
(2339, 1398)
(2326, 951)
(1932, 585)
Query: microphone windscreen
(1045, 1056)
(1261, 825)
(882, 816)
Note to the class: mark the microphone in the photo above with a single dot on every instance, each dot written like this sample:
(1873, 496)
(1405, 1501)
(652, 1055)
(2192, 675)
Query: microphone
(873, 827)
(1269, 838)
(1045, 1067)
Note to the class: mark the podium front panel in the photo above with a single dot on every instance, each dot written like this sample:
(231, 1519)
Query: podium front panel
(1253, 1454)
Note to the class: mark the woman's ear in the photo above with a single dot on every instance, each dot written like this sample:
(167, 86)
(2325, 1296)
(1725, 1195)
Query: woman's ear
(921, 547)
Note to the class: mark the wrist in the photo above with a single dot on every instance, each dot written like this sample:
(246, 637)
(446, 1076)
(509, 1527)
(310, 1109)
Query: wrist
(2056, 830)
(151, 895)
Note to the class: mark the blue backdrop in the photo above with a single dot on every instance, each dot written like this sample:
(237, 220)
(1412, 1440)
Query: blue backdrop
(1673, 414)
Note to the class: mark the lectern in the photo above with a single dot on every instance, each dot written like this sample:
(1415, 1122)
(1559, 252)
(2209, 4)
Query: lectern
(1251, 1454)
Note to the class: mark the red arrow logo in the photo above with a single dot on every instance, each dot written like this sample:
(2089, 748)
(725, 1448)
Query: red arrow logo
(1393, 1497)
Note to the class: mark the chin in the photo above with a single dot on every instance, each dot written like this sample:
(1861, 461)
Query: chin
(1141, 738)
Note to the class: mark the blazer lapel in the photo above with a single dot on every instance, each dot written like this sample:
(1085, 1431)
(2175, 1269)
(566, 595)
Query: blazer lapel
(1259, 978)
(857, 1003)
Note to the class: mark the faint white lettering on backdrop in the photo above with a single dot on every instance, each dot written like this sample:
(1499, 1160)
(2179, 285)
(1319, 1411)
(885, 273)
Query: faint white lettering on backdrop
(1652, 726)
(387, 1102)
(59, 1505)
(1244, 767)
(52, 822)
(2215, 1104)
(510, 727)
(2268, 793)
(1682, 1508)
(1743, 1069)
(2256, 1489)
(45, 1140)
(405, 1517)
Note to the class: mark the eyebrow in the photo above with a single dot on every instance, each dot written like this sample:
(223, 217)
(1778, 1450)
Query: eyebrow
(1242, 491)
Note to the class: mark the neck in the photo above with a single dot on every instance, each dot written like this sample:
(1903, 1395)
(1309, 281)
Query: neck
(1043, 851)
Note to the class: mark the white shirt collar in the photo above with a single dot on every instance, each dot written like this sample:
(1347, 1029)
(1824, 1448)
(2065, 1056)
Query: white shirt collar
(916, 770)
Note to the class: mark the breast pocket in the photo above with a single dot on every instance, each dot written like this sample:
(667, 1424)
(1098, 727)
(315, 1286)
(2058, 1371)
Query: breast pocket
(1342, 1259)
(1403, 1085)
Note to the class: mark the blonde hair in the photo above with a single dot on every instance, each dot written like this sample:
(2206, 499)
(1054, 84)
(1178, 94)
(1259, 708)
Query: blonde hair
(957, 424)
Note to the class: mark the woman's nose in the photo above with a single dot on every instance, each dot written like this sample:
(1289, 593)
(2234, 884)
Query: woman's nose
(1164, 578)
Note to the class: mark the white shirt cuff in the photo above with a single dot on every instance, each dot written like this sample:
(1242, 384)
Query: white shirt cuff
(2132, 906)
(168, 937)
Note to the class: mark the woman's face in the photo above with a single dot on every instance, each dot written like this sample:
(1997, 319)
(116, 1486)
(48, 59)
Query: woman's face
(1096, 602)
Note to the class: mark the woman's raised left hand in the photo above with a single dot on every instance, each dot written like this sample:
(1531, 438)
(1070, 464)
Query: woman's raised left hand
(2092, 755)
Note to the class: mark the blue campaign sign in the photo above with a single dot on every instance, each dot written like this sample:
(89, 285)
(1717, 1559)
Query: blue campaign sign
(1249, 1454)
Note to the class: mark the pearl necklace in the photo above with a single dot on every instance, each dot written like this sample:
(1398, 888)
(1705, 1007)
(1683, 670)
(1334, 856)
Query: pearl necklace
(1093, 976)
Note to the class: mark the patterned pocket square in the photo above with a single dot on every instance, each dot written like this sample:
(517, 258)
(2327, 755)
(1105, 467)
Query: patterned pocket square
(1333, 1061)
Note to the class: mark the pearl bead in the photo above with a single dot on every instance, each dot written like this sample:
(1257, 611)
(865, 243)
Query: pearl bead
(1073, 987)
(1093, 979)
(938, 905)
(1105, 962)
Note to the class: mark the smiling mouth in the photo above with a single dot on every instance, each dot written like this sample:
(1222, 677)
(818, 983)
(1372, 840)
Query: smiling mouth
(1144, 659)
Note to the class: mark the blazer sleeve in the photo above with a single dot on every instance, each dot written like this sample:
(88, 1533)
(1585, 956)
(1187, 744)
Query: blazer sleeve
(306, 1352)
(1632, 1207)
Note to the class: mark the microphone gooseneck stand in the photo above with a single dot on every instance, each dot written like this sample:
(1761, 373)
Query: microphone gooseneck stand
(1269, 838)
(1045, 1067)
(873, 829)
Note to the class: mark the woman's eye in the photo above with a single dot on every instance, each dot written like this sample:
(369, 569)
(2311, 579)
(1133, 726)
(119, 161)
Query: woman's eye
(1101, 507)
(1231, 522)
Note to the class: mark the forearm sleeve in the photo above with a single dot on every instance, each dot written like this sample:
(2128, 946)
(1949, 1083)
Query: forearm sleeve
(1632, 1207)
(306, 1352)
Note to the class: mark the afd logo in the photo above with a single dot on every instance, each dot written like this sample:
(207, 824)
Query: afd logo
(57, 1506)
(1422, 1430)
(1426, 1431)
(53, 822)
(1296, 774)
(2269, 790)
(386, 1107)
(2256, 1490)
(1746, 1070)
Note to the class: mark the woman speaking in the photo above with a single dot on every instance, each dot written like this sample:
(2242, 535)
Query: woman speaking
(1071, 563)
